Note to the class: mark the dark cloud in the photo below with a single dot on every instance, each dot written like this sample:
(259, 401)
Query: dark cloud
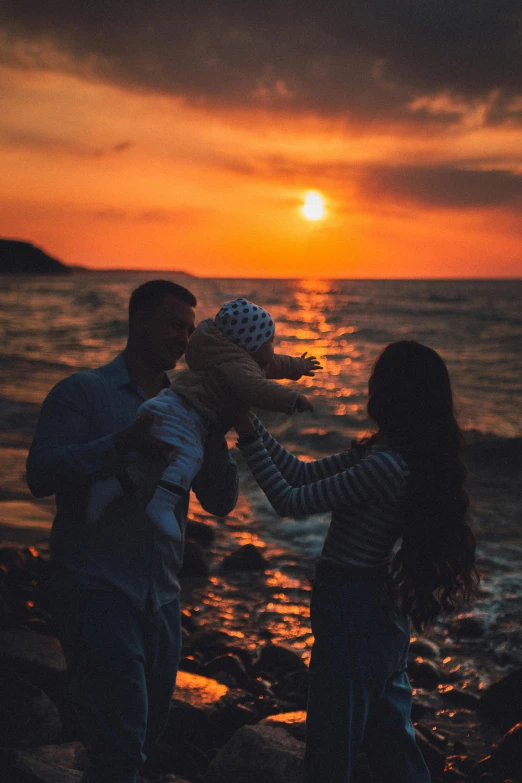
(366, 58)
(443, 186)
(38, 140)
(178, 216)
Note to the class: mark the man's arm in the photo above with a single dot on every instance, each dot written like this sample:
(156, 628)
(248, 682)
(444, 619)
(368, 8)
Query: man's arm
(61, 454)
(216, 485)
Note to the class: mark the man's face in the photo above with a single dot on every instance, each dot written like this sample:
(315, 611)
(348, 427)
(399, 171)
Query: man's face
(165, 331)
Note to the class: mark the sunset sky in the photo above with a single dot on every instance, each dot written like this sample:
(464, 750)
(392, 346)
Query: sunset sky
(187, 135)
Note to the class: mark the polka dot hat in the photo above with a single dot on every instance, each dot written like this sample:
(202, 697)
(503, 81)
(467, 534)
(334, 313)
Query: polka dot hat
(245, 324)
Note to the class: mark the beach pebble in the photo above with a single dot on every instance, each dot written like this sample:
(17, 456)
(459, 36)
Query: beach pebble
(35, 656)
(28, 717)
(258, 754)
(425, 674)
(67, 754)
(246, 558)
(502, 701)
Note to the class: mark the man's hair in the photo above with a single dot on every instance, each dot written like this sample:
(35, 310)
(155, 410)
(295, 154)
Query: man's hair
(148, 295)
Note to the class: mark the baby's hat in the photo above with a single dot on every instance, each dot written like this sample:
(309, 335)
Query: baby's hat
(245, 324)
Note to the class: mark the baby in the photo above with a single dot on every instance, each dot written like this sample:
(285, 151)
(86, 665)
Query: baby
(231, 359)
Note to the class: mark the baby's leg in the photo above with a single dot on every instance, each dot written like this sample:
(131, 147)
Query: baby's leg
(100, 495)
(161, 510)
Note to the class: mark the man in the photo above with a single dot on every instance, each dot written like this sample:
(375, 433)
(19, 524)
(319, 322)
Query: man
(114, 583)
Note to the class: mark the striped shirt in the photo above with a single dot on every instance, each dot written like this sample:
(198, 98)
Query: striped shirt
(364, 492)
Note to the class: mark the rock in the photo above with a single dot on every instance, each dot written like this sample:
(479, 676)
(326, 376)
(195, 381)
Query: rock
(468, 627)
(258, 754)
(228, 664)
(502, 701)
(70, 755)
(277, 660)
(426, 674)
(203, 716)
(293, 688)
(424, 648)
(27, 715)
(194, 561)
(23, 768)
(35, 656)
(460, 697)
(508, 751)
(246, 558)
(292, 722)
(199, 533)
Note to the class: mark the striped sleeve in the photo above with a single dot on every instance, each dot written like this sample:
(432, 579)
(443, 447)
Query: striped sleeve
(377, 479)
(297, 472)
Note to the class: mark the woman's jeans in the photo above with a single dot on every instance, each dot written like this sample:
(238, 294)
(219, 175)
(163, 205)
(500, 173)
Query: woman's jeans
(359, 687)
(122, 665)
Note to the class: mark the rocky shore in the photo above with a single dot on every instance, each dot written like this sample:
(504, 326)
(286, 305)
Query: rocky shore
(238, 711)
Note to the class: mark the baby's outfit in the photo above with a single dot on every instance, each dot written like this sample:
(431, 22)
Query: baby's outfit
(222, 377)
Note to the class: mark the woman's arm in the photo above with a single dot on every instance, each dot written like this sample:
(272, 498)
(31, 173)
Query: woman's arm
(296, 471)
(377, 478)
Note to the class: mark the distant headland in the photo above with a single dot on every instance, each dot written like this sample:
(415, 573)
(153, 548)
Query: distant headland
(23, 258)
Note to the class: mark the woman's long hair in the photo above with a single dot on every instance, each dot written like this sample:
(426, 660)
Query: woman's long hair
(410, 400)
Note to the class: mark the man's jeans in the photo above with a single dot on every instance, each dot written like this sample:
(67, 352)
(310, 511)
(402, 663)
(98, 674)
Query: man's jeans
(122, 666)
(359, 688)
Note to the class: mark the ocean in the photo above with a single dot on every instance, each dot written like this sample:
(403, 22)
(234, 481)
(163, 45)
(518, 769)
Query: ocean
(51, 327)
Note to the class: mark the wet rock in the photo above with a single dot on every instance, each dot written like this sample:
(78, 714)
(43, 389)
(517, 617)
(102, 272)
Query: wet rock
(246, 558)
(200, 533)
(277, 660)
(228, 664)
(502, 701)
(426, 674)
(293, 688)
(484, 770)
(258, 754)
(460, 697)
(424, 648)
(23, 768)
(292, 722)
(70, 755)
(194, 561)
(204, 714)
(466, 628)
(508, 751)
(27, 715)
(37, 657)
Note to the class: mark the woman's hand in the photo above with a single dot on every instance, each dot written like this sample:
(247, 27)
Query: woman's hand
(243, 422)
(311, 364)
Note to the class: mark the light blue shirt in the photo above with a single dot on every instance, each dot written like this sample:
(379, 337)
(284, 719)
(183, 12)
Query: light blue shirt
(74, 446)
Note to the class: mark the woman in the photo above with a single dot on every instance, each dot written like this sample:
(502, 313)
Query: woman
(405, 482)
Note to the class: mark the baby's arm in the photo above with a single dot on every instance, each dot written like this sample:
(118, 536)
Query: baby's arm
(292, 367)
(253, 389)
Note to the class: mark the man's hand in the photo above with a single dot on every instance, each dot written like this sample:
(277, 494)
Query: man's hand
(137, 438)
(311, 364)
(303, 404)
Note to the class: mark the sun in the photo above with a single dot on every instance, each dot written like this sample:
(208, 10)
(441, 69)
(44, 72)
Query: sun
(313, 207)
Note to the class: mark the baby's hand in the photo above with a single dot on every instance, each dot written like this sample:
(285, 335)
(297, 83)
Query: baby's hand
(311, 364)
(303, 404)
